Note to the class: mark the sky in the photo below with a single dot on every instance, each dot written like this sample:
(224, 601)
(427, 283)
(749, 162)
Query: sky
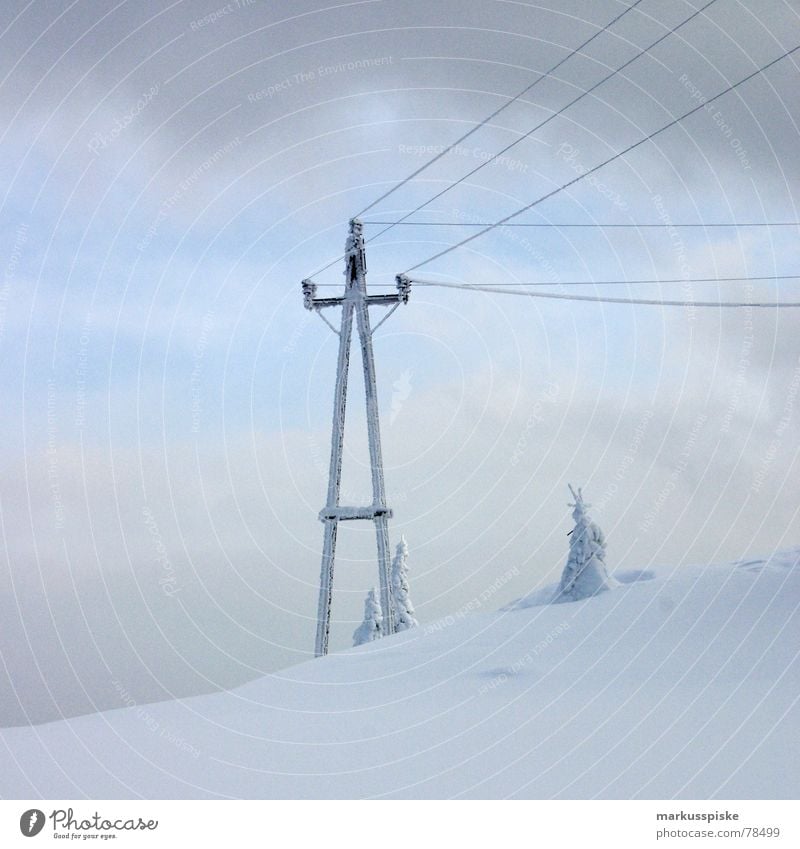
(171, 172)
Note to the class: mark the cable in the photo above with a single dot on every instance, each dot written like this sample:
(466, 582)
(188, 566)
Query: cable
(606, 162)
(674, 280)
(597, 225)
(549, 118)
(498, 111)
(492, 286)
(479, 125)
(601, 299)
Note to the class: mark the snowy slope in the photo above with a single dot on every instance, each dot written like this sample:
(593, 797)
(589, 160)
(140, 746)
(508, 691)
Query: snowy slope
(677, 684)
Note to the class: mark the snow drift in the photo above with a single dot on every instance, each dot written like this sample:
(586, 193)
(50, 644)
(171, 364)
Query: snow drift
(681, 683)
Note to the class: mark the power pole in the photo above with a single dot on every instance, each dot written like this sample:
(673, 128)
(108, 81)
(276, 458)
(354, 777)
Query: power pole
(354, 301)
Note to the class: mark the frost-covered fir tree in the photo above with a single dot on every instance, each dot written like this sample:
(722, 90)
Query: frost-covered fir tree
(585, 574)
(403, 608)
(370, 628)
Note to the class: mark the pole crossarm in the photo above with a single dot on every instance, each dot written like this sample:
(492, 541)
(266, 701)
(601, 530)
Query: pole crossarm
(355, 303)
(344, 514)
(312, 302)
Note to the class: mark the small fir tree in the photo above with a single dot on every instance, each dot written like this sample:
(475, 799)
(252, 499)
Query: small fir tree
(585, 574)
(403, 608)
(370, 628)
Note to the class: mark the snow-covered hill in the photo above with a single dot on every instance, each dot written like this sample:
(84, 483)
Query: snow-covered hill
(677, 684)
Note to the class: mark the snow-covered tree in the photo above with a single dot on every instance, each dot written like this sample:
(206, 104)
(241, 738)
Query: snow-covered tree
(370, 628)
(403, 608)
(585, 574)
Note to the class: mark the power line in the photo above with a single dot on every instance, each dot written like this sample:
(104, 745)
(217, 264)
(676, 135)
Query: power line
(549, 118)
(766, 278)
(482, 124)
(616, 156)
(499, 109)
(492, 286)
(732, 224)
(601, 298)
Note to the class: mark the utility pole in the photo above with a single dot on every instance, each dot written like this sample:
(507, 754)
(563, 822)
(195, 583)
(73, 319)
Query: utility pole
(354, 302)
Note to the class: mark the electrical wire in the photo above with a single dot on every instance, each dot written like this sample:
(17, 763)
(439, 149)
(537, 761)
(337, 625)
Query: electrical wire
(482, 123)
(753, 278)
(603, 299)
(613, 158)
(548, 119)
(599, 225)
(499, 110)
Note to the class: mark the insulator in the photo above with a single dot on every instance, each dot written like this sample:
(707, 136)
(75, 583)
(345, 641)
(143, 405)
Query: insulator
(309, 291)
(403, 287)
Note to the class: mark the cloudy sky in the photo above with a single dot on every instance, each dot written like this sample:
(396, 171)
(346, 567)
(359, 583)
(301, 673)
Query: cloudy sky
(171, 172)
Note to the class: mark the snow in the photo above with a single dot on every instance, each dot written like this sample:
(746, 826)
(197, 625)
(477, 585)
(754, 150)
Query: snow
(681, 683)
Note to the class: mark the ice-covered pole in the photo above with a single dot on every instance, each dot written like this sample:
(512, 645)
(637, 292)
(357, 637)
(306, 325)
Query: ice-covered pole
(355, 303)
